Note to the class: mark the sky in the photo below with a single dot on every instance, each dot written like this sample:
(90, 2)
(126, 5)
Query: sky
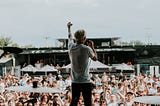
(31, 21)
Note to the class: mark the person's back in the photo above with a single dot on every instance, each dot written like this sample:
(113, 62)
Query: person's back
(80, 59)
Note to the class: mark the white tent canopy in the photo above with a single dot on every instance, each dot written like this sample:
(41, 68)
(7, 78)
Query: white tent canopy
(48, 68)
(123, 66)
(29, 68)
(148, 99)
(98, 64)
(45, 68)
(4, 60)
(31, 89)
(93, 65)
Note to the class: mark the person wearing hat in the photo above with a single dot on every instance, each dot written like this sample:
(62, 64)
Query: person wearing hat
(129, 97)
(80, 55)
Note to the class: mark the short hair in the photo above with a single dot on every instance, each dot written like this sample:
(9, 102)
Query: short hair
(130, 93)
(79, 35)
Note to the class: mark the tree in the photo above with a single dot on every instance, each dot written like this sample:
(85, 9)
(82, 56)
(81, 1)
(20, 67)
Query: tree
(5, 41)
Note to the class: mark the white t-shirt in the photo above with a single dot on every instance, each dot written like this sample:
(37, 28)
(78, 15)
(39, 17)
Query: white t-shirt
(129, 103)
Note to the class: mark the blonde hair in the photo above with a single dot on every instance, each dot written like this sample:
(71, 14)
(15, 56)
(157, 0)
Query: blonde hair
(80, 36)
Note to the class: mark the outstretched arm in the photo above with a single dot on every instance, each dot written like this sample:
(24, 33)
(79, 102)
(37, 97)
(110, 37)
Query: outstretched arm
(70, 38)
(69, 24)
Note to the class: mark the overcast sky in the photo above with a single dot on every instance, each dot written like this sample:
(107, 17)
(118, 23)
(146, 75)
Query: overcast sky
(30, 21)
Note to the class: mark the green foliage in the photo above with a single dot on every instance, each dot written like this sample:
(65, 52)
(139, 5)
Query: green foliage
(5, 41)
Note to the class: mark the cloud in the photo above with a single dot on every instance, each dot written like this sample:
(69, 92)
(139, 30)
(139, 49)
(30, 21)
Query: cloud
(39, 18)
(21, 3)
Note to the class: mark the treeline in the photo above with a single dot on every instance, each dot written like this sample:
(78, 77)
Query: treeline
(7, 41)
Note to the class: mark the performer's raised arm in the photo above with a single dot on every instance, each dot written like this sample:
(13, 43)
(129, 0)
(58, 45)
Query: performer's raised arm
(69, 29)
(70, 38)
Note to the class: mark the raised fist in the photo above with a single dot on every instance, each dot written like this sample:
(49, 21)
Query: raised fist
(69, 24)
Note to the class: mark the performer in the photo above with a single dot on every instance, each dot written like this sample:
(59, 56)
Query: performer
(79, 56)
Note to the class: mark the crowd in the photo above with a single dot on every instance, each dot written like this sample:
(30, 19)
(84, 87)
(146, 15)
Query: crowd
(107, 90)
